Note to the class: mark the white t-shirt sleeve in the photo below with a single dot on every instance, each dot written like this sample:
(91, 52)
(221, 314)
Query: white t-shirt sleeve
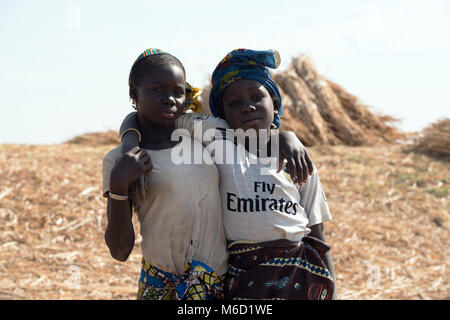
(313, 200)
(197, 124)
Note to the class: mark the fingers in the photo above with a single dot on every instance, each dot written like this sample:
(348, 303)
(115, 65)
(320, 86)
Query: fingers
(291, 166)
(309, 162)
(134, 150)
(299, 165)
(144, 156)
(301, 169)
(304, 169)
(148, 167)
(298, 169)
(146, 161)
(280, 162)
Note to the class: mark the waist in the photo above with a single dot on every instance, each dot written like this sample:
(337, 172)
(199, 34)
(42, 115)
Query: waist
(149, 270)
(264, 226)
(236, 245)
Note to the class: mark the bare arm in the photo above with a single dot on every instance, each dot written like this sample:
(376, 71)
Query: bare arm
(317, 231)
(119, 234)
(131, 138)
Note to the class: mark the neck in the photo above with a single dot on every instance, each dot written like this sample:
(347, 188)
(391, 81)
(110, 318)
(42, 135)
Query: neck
(153, 135)
(259, 145)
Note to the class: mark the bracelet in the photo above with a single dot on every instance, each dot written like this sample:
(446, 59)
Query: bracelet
(117, 196)
(131, 129)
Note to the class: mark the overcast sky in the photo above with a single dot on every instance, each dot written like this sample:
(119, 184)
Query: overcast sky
(64, 64)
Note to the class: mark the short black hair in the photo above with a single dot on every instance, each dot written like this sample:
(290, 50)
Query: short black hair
(143, 67)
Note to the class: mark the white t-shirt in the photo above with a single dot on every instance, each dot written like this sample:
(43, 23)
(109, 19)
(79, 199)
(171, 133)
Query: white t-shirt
(258, 203)
(181, 215)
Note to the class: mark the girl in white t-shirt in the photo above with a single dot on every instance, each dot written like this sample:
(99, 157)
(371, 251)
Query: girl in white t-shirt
(275, 228)
(181, 222)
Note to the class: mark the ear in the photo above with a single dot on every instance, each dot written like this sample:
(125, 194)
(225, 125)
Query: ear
(276, 107)
(132, 92)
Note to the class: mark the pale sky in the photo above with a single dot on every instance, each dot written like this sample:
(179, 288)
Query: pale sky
(64, 64)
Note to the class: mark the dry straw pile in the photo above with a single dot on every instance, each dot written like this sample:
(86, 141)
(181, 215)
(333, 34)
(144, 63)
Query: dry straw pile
(434, 140)
(96, 138)
(323, 113)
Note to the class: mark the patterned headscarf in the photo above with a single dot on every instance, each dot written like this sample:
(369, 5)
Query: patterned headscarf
(192, 93)
(245, 64)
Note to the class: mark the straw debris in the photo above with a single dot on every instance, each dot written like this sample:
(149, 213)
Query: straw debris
(434, 140)
(389, 233)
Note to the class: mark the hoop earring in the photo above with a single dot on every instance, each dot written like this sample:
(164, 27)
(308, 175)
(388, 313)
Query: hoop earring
(133, 104)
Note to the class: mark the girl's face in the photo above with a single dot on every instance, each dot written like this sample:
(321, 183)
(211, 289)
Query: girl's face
(161, 97)
(247, 104)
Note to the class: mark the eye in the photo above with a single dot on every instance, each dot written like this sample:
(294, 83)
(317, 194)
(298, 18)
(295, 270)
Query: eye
(257, 97)
(235, 103)
(156, 89)
(179, 93)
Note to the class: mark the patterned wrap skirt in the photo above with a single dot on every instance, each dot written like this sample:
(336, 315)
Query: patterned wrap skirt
(199, 282)
(279, 269)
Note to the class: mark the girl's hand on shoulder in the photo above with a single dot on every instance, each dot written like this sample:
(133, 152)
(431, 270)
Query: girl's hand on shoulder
(299, 162)
(129, 168)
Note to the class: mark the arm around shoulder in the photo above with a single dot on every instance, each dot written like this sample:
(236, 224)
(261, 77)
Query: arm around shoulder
(129, 132)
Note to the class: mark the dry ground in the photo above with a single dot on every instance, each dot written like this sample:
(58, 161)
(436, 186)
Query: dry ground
(390, 233)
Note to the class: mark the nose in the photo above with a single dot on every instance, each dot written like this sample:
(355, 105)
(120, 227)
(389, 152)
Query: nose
(169, 100)
(248, 107)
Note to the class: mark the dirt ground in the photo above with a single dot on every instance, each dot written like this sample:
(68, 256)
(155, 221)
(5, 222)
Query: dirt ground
(389, 233)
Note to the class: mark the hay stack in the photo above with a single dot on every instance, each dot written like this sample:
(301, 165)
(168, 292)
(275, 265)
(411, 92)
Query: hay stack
(301, 111)
(96, 139)
(434, 140)
(321, 112)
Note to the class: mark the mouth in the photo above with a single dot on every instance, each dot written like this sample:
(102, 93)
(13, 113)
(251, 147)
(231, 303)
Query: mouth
(167, 114)
(251, 121)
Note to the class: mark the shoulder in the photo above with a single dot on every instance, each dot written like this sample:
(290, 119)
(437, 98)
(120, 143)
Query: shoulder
(206, 119)
(113, 155)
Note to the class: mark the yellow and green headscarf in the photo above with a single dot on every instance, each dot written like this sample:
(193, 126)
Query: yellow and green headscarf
(192, 93)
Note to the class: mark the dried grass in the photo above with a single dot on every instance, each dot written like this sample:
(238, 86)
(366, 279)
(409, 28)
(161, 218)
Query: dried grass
(321, 112)
(94, 139)
(434, 140)
(53, 218)
(391, 219)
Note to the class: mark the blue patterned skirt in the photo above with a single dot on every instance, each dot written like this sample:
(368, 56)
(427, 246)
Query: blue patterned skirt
(199, 282)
